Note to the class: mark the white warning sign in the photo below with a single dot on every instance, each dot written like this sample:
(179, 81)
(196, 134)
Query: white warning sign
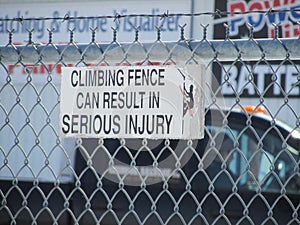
(132, 102)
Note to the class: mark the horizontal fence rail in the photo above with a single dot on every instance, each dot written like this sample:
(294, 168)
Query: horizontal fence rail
(181, 51)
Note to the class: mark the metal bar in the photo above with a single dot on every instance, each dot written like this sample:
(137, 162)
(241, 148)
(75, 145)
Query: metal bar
(180, 52)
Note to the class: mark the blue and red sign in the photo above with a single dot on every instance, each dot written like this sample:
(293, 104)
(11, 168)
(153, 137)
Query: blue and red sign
(284, 13)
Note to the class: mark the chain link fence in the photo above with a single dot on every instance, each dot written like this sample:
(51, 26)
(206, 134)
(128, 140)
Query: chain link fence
(244, 171)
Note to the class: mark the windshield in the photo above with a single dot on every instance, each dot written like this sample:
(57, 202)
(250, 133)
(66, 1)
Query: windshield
(260, 158)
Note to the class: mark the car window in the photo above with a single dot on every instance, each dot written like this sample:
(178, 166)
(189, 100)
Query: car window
(261, 158)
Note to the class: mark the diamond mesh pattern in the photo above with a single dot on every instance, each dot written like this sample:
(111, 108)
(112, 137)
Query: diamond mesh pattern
(49, 180)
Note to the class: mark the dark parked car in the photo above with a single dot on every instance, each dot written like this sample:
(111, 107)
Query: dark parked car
(244, 171)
